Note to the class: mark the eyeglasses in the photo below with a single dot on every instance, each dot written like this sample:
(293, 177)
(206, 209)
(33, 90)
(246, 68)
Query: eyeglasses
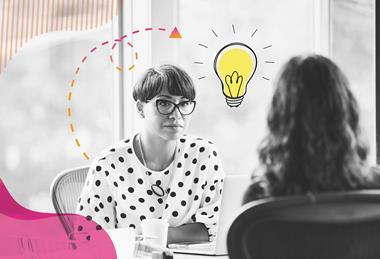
(166, 107)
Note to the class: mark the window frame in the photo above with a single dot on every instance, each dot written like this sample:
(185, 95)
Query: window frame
(322, 27)
(150, 13)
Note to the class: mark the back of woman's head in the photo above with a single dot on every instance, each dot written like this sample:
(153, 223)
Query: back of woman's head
(314, 141)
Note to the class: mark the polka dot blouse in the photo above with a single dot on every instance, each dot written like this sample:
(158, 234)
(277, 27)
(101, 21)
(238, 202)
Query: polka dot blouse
(121, 192)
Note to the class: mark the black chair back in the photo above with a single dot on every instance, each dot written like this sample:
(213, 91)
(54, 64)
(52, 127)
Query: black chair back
(343, 225)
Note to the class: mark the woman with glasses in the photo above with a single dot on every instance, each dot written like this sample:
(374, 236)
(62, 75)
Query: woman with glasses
(159, 172)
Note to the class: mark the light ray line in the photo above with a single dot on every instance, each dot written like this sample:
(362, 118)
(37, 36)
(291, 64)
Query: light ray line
(216, 35)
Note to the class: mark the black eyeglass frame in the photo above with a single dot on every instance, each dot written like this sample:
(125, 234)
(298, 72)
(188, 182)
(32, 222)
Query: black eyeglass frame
(175, 106)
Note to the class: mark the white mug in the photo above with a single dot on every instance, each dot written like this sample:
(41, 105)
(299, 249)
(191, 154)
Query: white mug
(123, 240)
(155, 231)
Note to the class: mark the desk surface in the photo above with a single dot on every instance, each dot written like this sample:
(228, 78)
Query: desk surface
(124, 245)
(123, 241)
(189, 256)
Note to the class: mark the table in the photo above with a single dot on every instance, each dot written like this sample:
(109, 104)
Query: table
(123, 240)
(188, 256)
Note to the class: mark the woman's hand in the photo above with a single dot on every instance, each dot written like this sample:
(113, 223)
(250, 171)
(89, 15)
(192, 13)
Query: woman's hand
(193, 232)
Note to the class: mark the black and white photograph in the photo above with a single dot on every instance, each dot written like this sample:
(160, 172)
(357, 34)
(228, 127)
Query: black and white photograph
(244, 129)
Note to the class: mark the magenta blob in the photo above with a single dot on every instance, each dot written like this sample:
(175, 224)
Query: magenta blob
(30, 234)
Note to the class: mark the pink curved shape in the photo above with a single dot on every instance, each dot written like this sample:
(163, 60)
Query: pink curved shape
(11, 208)
(30, 234)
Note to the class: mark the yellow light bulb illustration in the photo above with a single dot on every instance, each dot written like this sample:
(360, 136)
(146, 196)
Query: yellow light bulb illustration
(235, 65)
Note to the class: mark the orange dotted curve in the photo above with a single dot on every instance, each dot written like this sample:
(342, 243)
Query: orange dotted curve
(76, 74)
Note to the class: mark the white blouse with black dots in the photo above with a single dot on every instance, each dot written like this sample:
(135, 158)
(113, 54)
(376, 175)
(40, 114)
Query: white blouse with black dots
(118, 190)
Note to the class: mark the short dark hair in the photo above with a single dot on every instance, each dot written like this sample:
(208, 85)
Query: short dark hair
(314, 141)
(177, 81)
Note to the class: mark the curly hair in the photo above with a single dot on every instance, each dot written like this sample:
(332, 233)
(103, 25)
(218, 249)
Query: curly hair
(314, 142)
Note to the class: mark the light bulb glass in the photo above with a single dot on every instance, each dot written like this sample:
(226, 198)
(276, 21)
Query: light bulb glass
(235, 65)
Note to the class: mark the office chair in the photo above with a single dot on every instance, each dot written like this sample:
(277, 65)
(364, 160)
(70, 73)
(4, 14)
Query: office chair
(344, 225)
(65, 190)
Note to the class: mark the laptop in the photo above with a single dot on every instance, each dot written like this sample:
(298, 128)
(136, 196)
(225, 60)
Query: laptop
(234, 188)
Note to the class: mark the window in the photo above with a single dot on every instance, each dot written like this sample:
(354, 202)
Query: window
(35, 134)
(287, 26)
(290, 27)
(353, 48)
(35, 131)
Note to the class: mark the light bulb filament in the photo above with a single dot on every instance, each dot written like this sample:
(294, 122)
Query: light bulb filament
(234, 83)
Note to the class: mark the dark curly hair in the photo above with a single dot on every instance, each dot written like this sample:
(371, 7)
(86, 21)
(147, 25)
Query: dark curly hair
(314, 142)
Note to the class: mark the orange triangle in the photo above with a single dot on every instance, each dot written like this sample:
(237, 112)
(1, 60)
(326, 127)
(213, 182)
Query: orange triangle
(175, 34)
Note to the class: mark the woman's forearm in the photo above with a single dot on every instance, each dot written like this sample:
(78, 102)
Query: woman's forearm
(193, 232)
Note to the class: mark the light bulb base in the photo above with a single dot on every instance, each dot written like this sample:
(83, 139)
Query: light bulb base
(234, 102)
